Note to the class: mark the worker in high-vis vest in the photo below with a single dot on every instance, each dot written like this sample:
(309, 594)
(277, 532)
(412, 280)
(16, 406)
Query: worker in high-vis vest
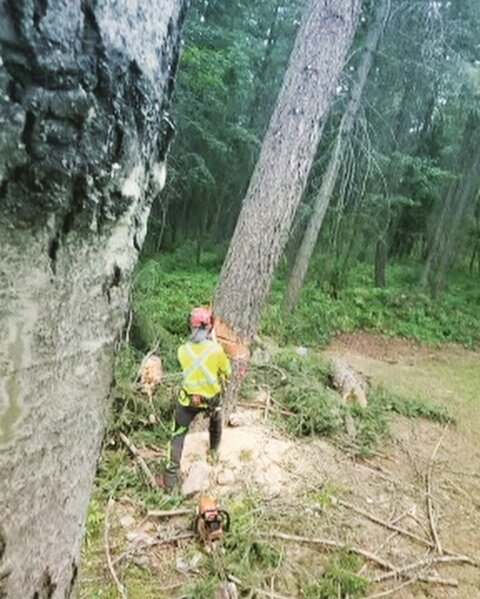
(205, 368)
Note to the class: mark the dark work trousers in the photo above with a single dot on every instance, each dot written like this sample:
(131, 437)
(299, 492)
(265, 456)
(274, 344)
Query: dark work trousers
(184, 416)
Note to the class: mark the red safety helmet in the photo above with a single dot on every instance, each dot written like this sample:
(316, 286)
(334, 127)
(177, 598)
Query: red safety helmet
(201, 317)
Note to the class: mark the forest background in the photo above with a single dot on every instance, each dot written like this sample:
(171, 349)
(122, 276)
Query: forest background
(399, 246)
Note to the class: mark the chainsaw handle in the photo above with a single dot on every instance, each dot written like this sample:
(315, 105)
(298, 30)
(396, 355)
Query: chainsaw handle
(227, 519)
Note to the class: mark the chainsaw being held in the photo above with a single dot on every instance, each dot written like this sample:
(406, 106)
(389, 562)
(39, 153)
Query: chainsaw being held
(210, 522)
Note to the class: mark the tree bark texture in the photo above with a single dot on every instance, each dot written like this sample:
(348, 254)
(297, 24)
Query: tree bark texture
(82, 153)
(285, 160)
(381, 263)
(324, 195)
(349, 383)
(457, 206)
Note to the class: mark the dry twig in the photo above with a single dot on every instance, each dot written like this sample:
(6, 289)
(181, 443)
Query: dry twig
(331, 544)
(270, 594)
(168, 513)
(180, 537)
(429, 579)
(268, 399)
(430, 507)
(138, 458)
(429, 561)
(106, 538)
(399, 529)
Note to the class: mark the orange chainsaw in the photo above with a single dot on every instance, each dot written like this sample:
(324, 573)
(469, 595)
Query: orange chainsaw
(210, 522)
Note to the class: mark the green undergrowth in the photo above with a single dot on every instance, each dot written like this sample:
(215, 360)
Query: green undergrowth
(340, 578)
(166, 286)
(253, 559)
(305, 405)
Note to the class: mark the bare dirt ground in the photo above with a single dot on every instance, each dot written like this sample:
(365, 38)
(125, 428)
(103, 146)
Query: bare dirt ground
(391, 486)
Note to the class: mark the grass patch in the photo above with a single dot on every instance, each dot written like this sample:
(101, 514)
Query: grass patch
(166, 287)
(340, 578)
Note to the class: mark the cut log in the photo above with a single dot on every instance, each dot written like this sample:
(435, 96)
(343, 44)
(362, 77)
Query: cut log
(151, 374)
(350, 383)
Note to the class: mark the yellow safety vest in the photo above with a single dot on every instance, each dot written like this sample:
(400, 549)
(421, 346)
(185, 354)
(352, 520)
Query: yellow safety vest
(204, 365)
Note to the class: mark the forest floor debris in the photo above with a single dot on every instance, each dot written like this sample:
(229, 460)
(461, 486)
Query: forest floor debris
(311, 489)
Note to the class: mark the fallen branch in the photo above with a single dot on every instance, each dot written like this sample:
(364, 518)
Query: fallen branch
(399, 529)
(270, 594)
(280, 371)
(282, 409)
(430, 507)
(268, 399)
(462, 492)
(429, 579)
(331, 544)
(106, 538)
(180, 537)
(258, 406)
(430, 561)
(168, 513)
(138, 458)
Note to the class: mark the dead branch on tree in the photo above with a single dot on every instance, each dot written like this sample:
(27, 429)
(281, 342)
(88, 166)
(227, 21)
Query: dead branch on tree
(138, 458)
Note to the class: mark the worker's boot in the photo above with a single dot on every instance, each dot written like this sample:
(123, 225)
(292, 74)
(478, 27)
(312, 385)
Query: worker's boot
(215, 430)
(170, 479)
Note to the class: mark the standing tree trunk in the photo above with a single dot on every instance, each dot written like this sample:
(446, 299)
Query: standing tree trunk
(282, 169)
(380, 263)
(322, 199)
(458, 203)
(81, 158)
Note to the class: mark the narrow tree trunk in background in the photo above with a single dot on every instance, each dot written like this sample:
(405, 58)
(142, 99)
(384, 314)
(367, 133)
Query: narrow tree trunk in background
(322, 199)
(282, 169)
(462, 206)
(458, 204)
(380, 263)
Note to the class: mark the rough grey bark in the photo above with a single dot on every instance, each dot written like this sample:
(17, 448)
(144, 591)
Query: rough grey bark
(83, 86)
(323, 197)
(457, 206)
(285, 160)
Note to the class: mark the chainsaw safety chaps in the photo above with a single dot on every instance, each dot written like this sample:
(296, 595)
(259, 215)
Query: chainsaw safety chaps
(184, 416)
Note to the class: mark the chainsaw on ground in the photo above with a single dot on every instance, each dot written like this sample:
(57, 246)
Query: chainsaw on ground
(210, 522)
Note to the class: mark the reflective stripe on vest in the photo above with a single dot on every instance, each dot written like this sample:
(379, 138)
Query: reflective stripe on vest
(197, 362)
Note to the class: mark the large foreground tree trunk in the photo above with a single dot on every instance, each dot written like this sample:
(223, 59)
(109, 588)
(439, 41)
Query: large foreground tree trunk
(284, 164)
(323, 197)
(82, 152)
